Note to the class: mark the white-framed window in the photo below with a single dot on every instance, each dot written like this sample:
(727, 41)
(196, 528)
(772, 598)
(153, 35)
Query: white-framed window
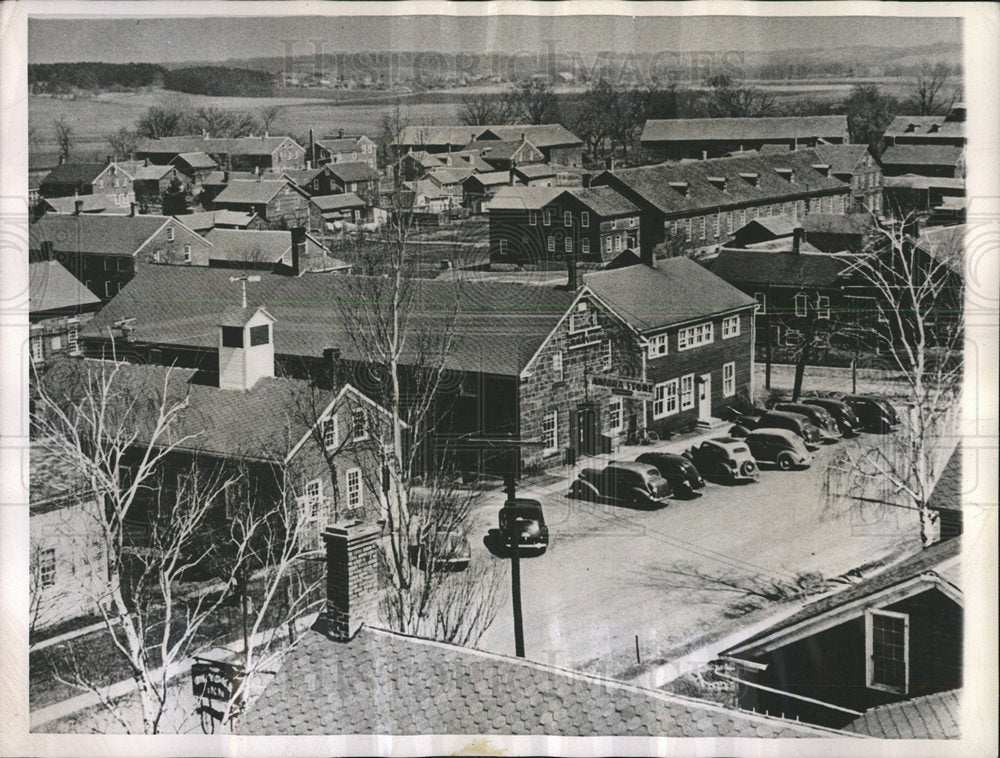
(729, 379)
(187, 253)
(583, 318)
(313, 497)
(693, 336)
(887, 651)
(55, 342)
(585, 219)
(701, 227)
(609, 355)
(567, 218)
(665, 399)
(822, 306)
(801, 304)
(73, 336)
(557, 367)
(606, 241)
(715, 225)
(110, 289)
(532, 218)
(354, 490)
(550, 432)
(47, 566)
(730, 327)
(585, 245)
(568, 244)
(616, 415)
(170, 234)
(359, 424)
(687, 229)
(331, 436)
(618, 243)
(547, 217)
(687, 392)
(729, 222)
(552, 244)
(657, 346)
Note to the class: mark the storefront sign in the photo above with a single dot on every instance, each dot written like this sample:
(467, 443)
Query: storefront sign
(623, 386)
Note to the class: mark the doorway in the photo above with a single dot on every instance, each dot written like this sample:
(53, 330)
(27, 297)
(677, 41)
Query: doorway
(705, 397)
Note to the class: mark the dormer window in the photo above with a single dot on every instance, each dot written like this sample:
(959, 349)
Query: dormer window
(934, 128)
(786, 173)
(681, 187)
(719, 182)
(232, 336)
(910, 128)
(260, 335)
(751, 177)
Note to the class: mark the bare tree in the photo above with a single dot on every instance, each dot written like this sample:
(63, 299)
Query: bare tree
(732, 100)
(267, 116)
(159, 122)
(487, 108)
(64, 137)
(928, 89)
(918, 288)
(123, 143)
(536, 102)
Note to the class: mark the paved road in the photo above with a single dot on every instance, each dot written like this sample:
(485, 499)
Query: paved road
(612, 573)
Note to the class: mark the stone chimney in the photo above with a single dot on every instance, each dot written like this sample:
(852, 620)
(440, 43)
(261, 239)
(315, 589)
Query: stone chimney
(351, 577)
(587, 179)
(77, 207)
(798, 237)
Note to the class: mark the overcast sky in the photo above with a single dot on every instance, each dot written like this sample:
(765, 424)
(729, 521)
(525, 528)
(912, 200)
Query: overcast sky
(216, 39)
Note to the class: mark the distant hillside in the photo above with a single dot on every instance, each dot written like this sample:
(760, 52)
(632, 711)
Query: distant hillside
(91, 75)
(221, 81)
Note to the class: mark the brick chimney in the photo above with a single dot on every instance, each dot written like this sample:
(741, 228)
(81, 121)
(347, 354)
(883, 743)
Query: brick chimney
(351, 577)
(798, 237)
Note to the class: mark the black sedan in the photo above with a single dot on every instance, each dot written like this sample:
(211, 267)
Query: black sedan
(874, 414)
(847, 422)
(683, 477)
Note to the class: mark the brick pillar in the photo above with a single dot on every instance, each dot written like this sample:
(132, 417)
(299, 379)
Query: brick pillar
(351, 576)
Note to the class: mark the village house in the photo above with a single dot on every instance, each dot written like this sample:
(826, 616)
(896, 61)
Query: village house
(479, 188)
(503, 156)
(674, 139)
(292, 253)
(557, 144)
(195, 167)
(533, 224)
(921, 195)
(823, 233)
(538, 175)
(458, 690)
(314, 181)
(108, 178)
(204, 221)
(342, 207)
(279, 202)
(891, 638)
(356, 177)
(425, 199)
(233, 153)
(693, 207)
(345, 150)
(924, 160)
(83, 204)
(105, 250)
(928, 130)
(855, 165)
(58, 303)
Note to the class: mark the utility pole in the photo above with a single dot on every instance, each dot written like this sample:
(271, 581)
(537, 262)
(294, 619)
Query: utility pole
(515, 570)
(767, 336)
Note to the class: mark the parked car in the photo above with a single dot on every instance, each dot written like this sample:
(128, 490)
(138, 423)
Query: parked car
(819, 417)
(781, 447)
(793, 422)
(874, 414)
(442, 549)
(623, 483)
(841, 412)
(679, 472)
(523, 517)
(725, 458)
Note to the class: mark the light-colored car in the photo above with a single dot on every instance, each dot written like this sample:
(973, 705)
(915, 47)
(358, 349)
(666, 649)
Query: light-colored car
(781, 447)
(725, 458)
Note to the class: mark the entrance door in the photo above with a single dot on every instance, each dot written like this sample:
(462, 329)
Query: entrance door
(705, 397)
(587, 429)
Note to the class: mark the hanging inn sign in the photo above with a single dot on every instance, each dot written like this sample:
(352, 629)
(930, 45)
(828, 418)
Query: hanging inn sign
(620, 385)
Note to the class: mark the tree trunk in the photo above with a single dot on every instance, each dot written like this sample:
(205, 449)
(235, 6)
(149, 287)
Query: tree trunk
(804, 355)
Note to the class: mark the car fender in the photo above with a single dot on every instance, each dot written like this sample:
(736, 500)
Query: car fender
(584, 490)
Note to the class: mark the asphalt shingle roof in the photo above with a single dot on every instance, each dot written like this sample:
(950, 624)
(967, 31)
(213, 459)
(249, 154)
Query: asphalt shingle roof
(51, 286)
(498, 327)
(677, 290)
(779, 127)
(922, 155)
(73, 173)
(781, 269)
(929, 717)
(386, 683)
(99, 233)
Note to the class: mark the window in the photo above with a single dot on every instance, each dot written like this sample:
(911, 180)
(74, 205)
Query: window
(550, 432)
(47, 566)
(609, 355)
(665, 399)
(110, 289)
(701, 227)
(568, 244)
(557, 367)
(607, 244)
(693, 336)
(37, 349)
(687, 229)
(585, 219)
(730, 327)
(618, 243)
(585, 246)
(187, 253)
(260, 335)
(728, 379)
(729, 222)
(532, 218)
(359, 424)
(801, 304)
(715, 225)
(124, 264)
(582, 318)
(547, 217)
(232, 336)
(887, 648)
(657, 346)
(552, 244)
(616, 415)
(55, 342)
(170, 234)
(313, 497)
(761, 299)
(567, 218)
(354, 494)
(109, 264)
(73, 336)
(687, 392)
(822, 306)
(331, 436)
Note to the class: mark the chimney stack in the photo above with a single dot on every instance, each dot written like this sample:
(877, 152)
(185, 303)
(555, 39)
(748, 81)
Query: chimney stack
(704, 155)
(312, 146)
(132, 210)
(512, 179)
(107, 160)
(340, 134)
(298, 249)
(77, 207)
(647, 256)
(351, 577)
(609, 164)
(587, 179)
(573, 279)
(798, 237)
(331, 366)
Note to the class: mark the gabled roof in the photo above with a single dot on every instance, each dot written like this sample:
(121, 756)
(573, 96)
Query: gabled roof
(98, 233)
(924, 126)
(339, 144)
(603, 201)
(491, 178)
(535, 170)
(449, 176)
(780, 269)
(218, 178)
(250, 246)
(196, 160)
(215, 145)
(780, 226)
(352, 171)
(204, 220)
(922, 155)
(946, 244)
(438, 135)
(911, 576)
(498, 149)
(251, 192)
(947, 492)
(841, 158)
(91, 204)
(302, 176)
(519, 198)
(918, 182)
(338, 202)
(777, 127)
(424, 159)
(498, 326)
(74, 173)
(929, 717)
(51, 286)
(540, 135)
(387, 683)
(676, 291)
(150, 173)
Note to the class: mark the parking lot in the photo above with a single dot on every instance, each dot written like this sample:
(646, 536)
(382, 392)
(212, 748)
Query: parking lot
(673, 575)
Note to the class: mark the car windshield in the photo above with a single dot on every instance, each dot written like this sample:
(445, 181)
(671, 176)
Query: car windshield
(521, 514)
(652, 472)
(740, 449)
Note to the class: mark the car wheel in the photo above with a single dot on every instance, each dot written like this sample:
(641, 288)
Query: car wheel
(785, 462)
(748, 468)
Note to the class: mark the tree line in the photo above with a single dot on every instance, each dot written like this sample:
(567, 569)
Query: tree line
(219, 81)
(60, 77)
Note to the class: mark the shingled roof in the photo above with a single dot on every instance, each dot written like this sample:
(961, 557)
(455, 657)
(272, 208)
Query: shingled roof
(352, 171)
(386, 683)
(539, 135)
(241, 245)
(841, 158)
(922, 155)
(676, 291)
(251, 192)
(214, 145)
(98, 233)
(74, 173)
(327, 203)
(780, 269)
(51, 287)
(498, 326)
(923, 126)
(930, 717)
(603, 201)
(736, 129)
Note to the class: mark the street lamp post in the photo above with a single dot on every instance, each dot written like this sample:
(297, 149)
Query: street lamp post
(515, 572)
